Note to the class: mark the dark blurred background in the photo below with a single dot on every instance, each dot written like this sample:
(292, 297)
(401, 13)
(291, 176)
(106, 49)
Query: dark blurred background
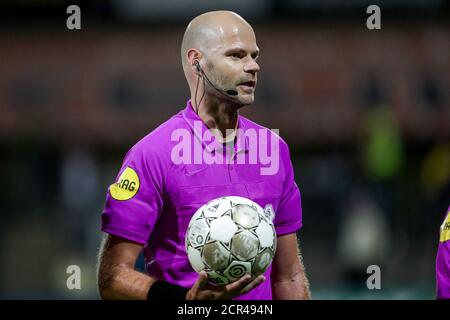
(366, 114)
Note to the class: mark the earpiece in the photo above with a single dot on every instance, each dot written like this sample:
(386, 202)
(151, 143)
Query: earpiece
(197, 65)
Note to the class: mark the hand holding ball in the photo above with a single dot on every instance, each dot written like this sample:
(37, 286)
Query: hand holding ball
(229, 237)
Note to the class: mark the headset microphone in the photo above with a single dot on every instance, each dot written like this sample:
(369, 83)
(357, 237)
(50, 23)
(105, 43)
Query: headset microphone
(228, 92)
(232, 92)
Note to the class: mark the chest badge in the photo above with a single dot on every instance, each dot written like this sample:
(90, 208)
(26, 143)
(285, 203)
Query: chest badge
(269, 212)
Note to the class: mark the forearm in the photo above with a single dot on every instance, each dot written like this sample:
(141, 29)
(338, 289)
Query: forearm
(123, 282)
(289, 281)
(292, 288)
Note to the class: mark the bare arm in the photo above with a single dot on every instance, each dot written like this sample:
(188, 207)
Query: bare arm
(289, 280)
(117, 278)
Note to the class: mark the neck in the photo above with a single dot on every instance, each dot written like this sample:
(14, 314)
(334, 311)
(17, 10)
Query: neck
(216, 114)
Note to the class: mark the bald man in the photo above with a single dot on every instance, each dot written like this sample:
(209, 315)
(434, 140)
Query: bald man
(158, 188)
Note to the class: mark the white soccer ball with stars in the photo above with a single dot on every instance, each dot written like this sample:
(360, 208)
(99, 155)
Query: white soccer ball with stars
(229, 237)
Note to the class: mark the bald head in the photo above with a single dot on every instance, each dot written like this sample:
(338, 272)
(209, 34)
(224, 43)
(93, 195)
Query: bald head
(224, 46)
(209, 30)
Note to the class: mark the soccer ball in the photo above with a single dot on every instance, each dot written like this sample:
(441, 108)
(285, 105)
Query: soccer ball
(229, 237)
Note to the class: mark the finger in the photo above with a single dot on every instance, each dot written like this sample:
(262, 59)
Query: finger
(239, 284)
(252, 285)
(200, 283)
(202, 280)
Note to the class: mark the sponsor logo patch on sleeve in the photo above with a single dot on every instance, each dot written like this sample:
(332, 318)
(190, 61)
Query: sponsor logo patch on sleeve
(445, 229)
(126, 186)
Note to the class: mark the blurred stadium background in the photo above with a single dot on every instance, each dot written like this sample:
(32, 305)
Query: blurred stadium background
(366, 115)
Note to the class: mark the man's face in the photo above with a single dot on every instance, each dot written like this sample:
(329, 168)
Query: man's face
(231, 63)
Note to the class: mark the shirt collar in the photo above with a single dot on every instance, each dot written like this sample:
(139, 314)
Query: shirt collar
(198, 127)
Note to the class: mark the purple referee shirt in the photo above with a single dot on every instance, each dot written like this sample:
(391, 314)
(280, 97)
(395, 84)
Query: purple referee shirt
(443, 260)
(175, 169)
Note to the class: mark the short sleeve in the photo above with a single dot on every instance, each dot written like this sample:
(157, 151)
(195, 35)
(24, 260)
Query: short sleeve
(443, 260)
(288, 218)
(443, 271)
(134, 201)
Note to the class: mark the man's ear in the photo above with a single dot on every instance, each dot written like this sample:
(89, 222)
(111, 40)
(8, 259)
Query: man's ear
(194, 56)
